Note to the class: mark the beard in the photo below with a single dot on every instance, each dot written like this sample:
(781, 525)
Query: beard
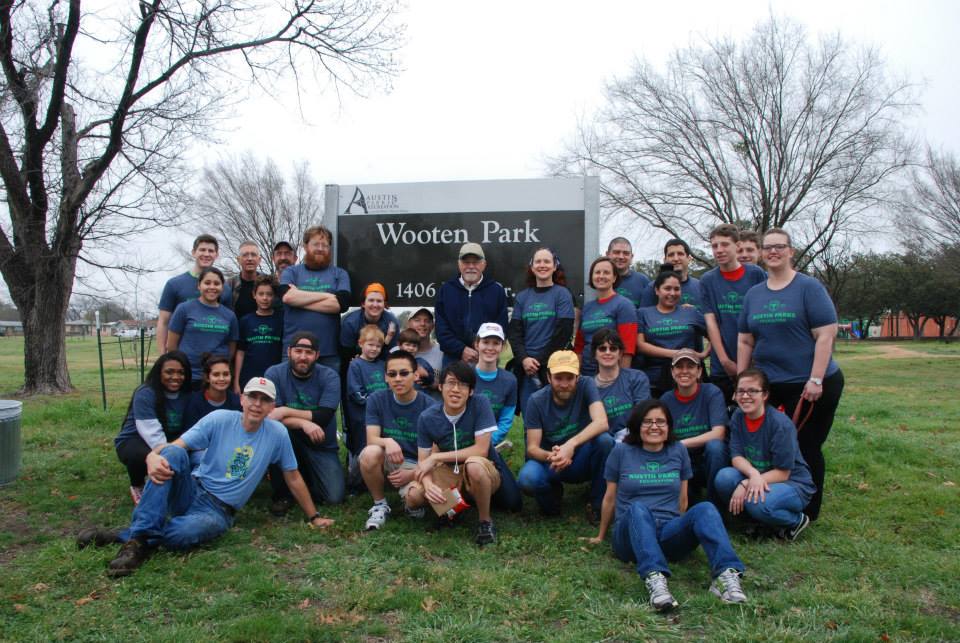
(317, 261)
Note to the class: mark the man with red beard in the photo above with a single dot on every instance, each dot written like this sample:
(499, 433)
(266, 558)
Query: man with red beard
(317, 292)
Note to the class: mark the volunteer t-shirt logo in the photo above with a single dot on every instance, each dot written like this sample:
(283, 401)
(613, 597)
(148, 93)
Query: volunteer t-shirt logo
(653, 467)
(773, 305)
(239, 464)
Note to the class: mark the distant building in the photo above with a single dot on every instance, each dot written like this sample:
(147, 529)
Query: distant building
(897, 325)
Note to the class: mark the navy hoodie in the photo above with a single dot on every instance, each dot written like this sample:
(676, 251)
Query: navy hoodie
(460, 313)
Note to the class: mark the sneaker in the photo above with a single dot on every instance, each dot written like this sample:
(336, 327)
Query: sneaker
(506, 445)
(377, 516)
(792, 533)
(97, 537)
(417, 513)
(131, 556)
(660, 597)
(486, 533)
(727, 587)
(593, 516)
(280, 507)
(135, 494)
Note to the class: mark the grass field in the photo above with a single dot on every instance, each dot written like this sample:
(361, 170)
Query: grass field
(883, 563)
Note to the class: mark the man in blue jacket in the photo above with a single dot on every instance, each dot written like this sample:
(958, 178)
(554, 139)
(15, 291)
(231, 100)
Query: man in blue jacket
(465, 302)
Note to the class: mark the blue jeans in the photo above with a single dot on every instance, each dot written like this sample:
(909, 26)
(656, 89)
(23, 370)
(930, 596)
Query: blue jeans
(195, 517)
(782, 507)
(320, 468)
(649, 541)
(537, 479)
(508, 496)
(528, 386)
(707, 462)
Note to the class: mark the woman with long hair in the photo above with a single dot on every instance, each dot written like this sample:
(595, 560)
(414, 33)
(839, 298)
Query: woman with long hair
(608, 310)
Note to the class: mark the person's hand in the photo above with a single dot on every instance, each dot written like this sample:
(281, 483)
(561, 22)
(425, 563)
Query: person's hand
(757, 489)
(470, 355)
(422, 374)
(729, 366)
(434, 493)
(393, 451)
(595, 540)
(158, 469)
(424, 467)
(812, 391)
(313, 431)
(400, 477)
(320, 523)
(391, 331)
(236, 389)
(531, 365)
(736, 500)
(561, 456)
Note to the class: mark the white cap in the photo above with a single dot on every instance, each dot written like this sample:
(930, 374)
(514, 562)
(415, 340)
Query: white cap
(490, 329)
(261, 385)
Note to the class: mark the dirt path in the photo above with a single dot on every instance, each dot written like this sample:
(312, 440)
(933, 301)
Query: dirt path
(890, 351)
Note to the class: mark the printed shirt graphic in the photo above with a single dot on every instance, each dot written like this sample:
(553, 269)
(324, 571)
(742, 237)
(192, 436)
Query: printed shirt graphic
(780, 322)
(144, 409)
(261, 340)
(539, 312)
(695, 417)
(597, 314)
(433, 427)
(724, 299)
(653, 478)
(398, 421)
(326, 326)
(236, 461)
(203, 329)
(320, 390)
(629, 389)
(560, 423)
(500, 391)
(363, 379)
(772, 446)
(184, 288)
(682, 328)
(632, 286)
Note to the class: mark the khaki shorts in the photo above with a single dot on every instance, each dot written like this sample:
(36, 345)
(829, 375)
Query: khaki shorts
(406, 465)
(445, 478)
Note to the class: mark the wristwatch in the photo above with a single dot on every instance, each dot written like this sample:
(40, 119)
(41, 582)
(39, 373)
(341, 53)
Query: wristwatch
(314, 517)
(817, 380)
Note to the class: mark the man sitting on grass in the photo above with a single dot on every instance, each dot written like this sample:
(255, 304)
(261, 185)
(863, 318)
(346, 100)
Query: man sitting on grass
(180, 511)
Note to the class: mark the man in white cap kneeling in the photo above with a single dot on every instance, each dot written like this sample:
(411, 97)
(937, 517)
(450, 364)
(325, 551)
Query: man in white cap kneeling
(180, 508)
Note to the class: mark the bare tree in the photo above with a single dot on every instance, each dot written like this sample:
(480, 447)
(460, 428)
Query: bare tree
(243, 198)
(779, 130)
(96, 112)
(935, 199)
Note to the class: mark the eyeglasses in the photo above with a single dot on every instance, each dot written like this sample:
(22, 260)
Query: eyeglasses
(404, 373)
(659, 423)
(779, 247)
(455, 384)
(749, 392)
(607, 348)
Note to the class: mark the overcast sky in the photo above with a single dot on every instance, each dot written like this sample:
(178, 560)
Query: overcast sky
(490, 89)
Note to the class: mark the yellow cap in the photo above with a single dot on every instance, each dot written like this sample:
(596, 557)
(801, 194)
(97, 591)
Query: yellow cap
(564, 362)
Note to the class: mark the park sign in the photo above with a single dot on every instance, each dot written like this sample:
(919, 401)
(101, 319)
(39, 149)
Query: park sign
(406, 235)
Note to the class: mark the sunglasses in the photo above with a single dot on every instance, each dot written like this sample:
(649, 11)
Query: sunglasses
(403, 373)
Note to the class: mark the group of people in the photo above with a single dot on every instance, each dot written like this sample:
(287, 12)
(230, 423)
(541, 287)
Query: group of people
(615, 394)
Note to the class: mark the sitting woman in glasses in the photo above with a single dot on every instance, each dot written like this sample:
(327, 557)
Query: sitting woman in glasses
(621, 389)
(769, 480)
(646, 500)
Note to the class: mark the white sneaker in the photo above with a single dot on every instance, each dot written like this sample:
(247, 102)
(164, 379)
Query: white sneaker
(136, 493)
(506, 445)
(727, 587)
(377, 516)
(417, 513)
(660, 597)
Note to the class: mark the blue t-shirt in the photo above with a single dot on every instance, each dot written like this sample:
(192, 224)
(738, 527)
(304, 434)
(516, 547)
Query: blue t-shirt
(772, 446)
(632, 286)
(724, 300)
(597, 314)
(560, 423)
(434, 427)
(198, 406)
(204, 329)
(780, 322)
(629, 389)
(653, 478)
(261, 340)
(681, 328)
(397, 420)
(705, 410)
(235, 461)
(352, 322)
(321, 389)
(690, 294)
(184, 288)
(144, 409)
(500, 389)
(326, 326)
(363, 379)
(539, 309)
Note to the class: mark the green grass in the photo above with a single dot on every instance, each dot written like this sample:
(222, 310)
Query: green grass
(882, 563)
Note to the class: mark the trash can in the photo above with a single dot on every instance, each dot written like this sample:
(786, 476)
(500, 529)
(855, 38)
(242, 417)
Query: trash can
(10, 413)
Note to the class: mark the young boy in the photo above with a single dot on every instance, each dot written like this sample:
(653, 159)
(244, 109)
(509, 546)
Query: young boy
(261, 336)
(453, 439)
(748, 248)
(364, 377)
(409, 340)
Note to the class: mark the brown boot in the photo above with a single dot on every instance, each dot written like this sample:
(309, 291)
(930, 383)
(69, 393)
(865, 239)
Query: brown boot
(96, 536)
(131, 556)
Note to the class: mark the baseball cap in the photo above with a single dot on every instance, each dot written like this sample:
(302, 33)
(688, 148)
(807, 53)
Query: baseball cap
(471, 248)
(261, 385)
(300, 338)
(564, 362)
(491, 329)
(422, 310)
(279, 244)
(685, 353)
